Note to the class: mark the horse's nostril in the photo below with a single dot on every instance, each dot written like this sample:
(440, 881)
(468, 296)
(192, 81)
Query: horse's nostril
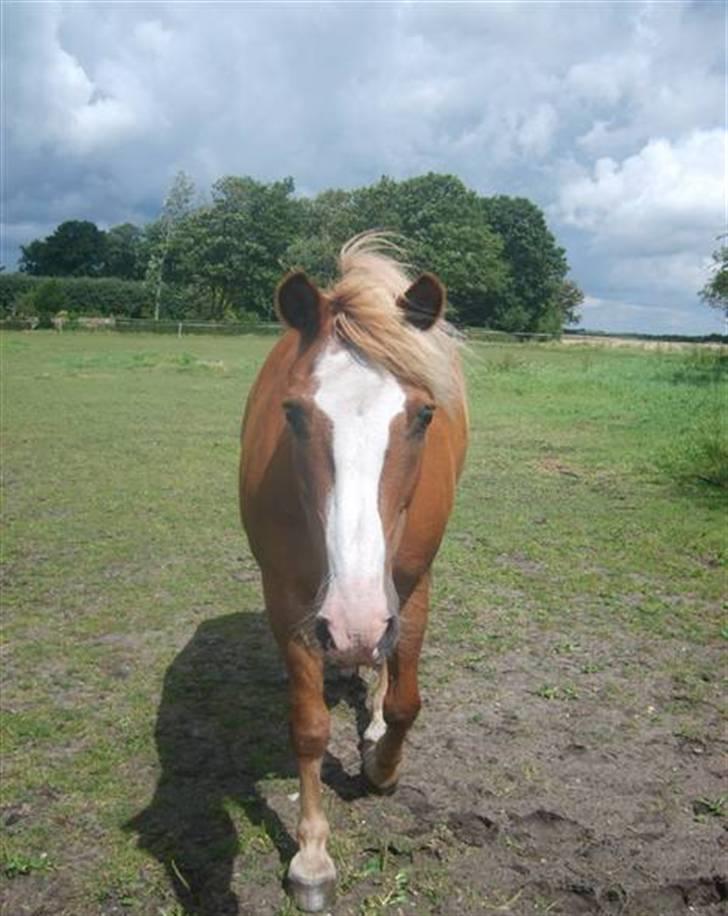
(323, 634)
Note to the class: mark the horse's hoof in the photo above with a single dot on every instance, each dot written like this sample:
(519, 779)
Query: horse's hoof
(312, 896)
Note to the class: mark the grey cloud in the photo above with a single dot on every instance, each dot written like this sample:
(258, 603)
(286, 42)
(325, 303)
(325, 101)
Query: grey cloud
(106, 101)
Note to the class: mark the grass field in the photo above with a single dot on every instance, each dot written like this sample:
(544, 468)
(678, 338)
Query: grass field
(572, 665)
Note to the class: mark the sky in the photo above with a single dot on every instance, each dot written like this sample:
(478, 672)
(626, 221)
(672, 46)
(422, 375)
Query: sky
(611, 116)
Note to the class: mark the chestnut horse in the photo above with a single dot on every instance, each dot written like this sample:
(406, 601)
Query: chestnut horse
(353, 439)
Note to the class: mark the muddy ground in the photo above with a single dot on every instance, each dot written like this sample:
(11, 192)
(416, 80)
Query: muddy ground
(516, 796)
(596, 803)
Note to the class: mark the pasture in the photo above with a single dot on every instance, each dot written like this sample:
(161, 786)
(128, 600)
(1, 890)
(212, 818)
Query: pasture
(568, 757)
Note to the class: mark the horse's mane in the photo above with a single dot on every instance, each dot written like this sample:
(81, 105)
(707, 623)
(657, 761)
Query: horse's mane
(366, 318)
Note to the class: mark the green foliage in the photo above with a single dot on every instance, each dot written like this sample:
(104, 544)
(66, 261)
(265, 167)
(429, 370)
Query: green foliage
(500, 263)
(44, 301)
(710, 807)
(16, 863)
(533, 297)
(567, 299)
(177, 205)
(715, 291)
(233, 250)
(439, 223)
(13, 288)
(125, 252)
(24, 295)
(77, 248)
(316, 254)
(449, 236)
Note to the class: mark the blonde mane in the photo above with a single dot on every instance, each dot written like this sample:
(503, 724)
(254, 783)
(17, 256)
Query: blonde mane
(367, 318)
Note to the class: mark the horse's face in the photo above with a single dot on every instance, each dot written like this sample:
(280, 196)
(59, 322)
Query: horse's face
(358, 435)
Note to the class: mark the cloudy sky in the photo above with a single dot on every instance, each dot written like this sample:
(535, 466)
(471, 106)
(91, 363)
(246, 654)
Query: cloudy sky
(610, 115)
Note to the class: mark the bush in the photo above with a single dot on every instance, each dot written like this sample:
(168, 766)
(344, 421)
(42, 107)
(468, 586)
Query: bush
(13, 289)
(86, 296)
(49, 297)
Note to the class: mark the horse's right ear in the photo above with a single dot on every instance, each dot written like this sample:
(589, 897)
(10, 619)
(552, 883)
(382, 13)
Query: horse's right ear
(299, 303)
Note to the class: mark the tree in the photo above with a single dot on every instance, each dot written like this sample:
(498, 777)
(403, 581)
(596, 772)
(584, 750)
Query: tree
(500, 263)
(538, 266)
(177, 205)
(76, 248)
(715, 291)
(325, 222)
(124, 252)
(441, 225)
(448, 234)
(33, 258)
(234, 250)
(316, 254)
(568, 299)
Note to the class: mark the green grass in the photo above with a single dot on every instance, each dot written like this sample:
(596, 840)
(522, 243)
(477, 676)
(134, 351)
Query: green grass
(711, 807)
(592, 500)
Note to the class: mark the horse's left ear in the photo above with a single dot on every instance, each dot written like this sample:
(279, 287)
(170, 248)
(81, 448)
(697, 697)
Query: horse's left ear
(424, 302)
(298, 302)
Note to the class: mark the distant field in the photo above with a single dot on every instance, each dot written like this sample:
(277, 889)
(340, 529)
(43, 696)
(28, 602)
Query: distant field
(644, 343)
(567, 757)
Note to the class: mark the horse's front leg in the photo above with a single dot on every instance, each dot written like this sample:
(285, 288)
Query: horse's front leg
(382, 756)
(311, 877)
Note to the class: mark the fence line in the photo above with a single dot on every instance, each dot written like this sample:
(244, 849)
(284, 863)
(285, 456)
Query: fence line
(486, 335)
(180, 328)
(169, 326)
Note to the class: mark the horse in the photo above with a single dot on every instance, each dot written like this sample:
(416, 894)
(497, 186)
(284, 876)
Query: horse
(353, 439)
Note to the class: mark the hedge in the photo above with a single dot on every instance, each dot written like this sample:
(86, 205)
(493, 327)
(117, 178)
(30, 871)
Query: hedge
(93, 296)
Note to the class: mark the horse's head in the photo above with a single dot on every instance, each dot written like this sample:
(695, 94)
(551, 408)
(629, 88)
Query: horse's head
(357, 430)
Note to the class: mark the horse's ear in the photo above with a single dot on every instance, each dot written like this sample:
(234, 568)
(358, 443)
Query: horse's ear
(299, 304)
(424, 302)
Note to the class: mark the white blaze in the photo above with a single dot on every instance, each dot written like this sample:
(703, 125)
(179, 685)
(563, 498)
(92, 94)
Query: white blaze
(360, 401)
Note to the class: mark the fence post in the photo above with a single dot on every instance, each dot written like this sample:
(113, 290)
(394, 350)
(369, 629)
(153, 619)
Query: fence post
(179, 329)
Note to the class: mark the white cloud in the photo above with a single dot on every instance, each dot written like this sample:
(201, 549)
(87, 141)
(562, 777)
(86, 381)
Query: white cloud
(666, 196)
(650, 222)
(561, 103)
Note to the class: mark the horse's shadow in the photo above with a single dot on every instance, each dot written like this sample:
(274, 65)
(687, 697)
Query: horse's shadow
(222, 726)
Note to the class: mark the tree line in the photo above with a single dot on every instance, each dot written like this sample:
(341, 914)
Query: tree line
(220, 260)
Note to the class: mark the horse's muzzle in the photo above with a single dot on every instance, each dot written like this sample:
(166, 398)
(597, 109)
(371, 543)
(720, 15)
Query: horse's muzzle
(368, 647)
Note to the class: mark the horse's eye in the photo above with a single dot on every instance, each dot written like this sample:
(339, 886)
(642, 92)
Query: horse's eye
(425, 415)
(296, 417)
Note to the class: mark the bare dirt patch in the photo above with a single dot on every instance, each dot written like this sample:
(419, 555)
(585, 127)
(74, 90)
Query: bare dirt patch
(514, 798)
